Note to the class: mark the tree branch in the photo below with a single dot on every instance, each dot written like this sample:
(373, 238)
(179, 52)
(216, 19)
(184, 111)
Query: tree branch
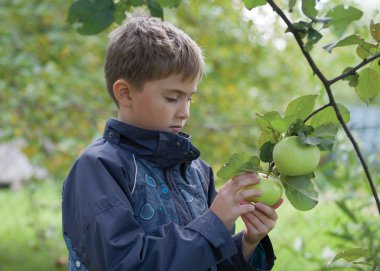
(316, 111)
(332, 102)
(354, 69)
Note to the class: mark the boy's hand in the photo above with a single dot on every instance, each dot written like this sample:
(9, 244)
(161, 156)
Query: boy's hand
(258, 224)
(227, 204)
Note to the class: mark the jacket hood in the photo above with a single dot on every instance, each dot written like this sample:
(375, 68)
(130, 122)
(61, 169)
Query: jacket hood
(162, 148)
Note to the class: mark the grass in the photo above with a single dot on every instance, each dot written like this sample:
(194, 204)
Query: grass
(31, 237)
(30, 229)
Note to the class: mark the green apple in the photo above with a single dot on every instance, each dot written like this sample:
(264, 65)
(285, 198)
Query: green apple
(292, 158)
(269, 186)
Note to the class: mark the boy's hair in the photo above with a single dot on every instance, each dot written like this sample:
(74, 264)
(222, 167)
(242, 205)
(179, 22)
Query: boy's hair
(145, 48)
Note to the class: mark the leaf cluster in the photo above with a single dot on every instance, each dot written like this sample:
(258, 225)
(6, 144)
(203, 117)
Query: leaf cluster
(308, 31)
(367, 80)
(338, 20)
(318, 129)
(239, 163)
(313, 127)
(92, 17)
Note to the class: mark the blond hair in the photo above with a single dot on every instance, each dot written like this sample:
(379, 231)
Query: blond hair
(145, 48)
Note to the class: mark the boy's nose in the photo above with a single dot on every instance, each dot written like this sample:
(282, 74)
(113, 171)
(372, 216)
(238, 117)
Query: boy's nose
(184, 111)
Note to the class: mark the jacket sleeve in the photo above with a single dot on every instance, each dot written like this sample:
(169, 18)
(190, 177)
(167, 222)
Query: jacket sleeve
(261, 259)
(99, 224)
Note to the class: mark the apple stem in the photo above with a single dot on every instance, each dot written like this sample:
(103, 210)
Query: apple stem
(270, 169)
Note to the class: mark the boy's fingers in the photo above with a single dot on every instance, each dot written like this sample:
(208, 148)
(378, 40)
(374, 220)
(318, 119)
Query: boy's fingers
(243, 180)
(249, 217)
(246, 208)
(245, 176)
(266, 210)
(259, 222)
(250, 227)
(247, 193)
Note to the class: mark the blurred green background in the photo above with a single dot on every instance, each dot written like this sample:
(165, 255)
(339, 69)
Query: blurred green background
(53, 102)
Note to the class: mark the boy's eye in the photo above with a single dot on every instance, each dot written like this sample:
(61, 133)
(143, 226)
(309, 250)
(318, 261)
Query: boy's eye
(171, 100)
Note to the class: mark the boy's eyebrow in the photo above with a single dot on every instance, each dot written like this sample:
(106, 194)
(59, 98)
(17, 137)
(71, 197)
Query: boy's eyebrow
(179, 91)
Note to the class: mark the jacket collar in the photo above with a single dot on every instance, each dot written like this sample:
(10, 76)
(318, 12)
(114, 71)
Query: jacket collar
(162, 148)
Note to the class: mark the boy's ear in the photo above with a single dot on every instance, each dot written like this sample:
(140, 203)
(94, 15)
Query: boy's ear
(122, 92)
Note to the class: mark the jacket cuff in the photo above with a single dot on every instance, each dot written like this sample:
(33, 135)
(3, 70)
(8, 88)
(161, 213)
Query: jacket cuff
(216, 233)
(262, 257)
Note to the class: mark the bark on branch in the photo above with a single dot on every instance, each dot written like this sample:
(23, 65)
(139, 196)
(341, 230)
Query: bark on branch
(354, 69)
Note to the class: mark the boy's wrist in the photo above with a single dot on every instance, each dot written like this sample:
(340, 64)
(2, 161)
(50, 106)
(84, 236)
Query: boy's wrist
(248, 247)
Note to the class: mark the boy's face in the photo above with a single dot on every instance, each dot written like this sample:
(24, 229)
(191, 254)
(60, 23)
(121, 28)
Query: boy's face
(161, 105)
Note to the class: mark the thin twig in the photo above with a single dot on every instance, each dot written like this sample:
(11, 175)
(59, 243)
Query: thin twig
(316, 111)
(354, 69)
(332, 102)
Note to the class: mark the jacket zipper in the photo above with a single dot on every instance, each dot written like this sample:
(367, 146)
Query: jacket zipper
(180, 204)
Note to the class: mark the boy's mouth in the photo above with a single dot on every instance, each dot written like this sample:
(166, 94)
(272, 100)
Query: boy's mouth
(176, 129)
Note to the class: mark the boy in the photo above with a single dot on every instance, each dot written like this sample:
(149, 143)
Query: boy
(139, 198)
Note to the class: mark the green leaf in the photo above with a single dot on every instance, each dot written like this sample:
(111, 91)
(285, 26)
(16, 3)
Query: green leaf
(91, 17)
(300, 192)
(326, 131)
(252, 165)
(367, 87)
(344, 208)
(341, 16)
(282, 124)
(155, 9)
(266, 152)
(353, 79)
(313, 36)
(169, 3)
(120, 10)
(291, 5)
(301, 107)
(135, 3)
(238, 159)
(328, 116)
(299, 127)
(263, 123)
(375, 30)
(274, 121)
(250, 4)
(376, 66)
(302, 28)
(323, 136)
(345, 236)
(366, 50)
(125, 5)
(265, 136)
(237, 164)
(352, 254)
(308, 8)
(350, 40)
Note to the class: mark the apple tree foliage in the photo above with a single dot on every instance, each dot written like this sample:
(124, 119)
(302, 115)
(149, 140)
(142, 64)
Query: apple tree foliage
(313, 129)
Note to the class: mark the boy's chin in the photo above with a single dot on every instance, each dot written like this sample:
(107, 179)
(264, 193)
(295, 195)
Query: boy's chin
(174, 130)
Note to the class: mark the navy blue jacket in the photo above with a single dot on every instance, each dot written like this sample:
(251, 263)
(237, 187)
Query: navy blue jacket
(138, 200)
